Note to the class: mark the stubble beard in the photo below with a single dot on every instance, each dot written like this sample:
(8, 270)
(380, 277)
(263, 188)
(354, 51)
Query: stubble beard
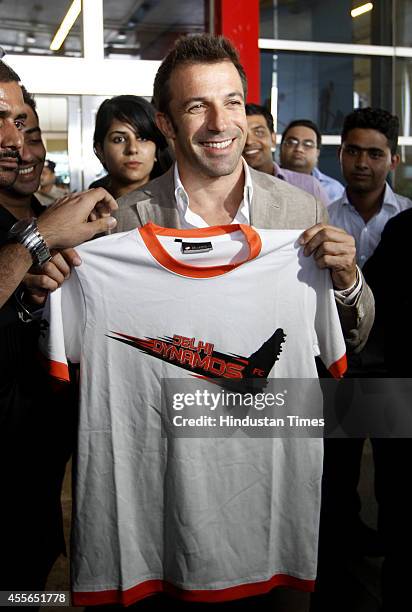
(7, 177)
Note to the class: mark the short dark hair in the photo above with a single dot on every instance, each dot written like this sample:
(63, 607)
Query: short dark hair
(51, 165)
(256, 109)
(135, 111)
(373, 119)
(28, 99)
(7, 74)
(199, 49)
(305, 123)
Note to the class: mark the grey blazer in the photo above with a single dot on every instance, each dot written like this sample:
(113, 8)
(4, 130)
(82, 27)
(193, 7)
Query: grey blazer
(275, 205)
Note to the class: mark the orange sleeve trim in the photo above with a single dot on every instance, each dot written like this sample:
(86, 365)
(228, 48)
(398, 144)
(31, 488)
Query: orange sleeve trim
(151, 587)
(150, 231)
(56, 369)
(339, 368)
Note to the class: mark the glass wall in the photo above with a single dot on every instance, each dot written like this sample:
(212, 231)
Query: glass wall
(147, 30)
(28, 27)
(324, 87)
(325, 78)
(403, 22)
(326, 21)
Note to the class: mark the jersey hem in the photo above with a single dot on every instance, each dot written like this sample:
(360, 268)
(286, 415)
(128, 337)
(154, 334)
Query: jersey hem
(55, 369)
(339, 367)
(151, 587)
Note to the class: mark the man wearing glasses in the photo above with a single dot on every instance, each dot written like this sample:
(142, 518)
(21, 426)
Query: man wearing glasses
(299, 151)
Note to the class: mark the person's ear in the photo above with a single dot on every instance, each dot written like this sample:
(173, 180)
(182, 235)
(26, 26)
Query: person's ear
(395, 160)
(98, 150)
(273, 137)
(165, 125)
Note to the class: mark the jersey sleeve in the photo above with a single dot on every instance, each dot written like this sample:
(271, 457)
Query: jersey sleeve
(329, 343)
(62, 328)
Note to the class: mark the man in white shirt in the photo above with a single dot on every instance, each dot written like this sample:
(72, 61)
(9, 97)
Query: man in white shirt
(367, 155)
(200, 92)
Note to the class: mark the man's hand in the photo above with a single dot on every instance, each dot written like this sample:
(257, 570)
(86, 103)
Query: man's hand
(332, 248)
(65, 223)
(39, 281)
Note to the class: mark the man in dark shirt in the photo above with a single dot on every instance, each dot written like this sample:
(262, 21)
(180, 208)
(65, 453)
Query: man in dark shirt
(394, 330)
(36, 424)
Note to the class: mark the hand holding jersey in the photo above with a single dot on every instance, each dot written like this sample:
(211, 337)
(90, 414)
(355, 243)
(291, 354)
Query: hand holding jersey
(70, 220)
(332, 248)
(66, 222)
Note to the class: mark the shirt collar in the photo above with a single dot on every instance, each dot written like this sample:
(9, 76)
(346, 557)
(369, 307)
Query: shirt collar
(277, 171)
(389, 199)
(243, 213)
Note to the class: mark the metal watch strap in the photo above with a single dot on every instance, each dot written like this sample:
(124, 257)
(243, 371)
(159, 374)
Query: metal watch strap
(34, 243)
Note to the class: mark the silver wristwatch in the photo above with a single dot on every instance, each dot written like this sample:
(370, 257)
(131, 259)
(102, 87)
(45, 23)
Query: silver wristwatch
(25, 232)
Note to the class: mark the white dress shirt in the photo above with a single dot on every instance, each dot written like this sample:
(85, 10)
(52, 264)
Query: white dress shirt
(367, 235)
(189, 219)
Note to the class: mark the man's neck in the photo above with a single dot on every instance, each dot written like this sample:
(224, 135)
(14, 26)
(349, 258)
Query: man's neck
(46, 189)
(367, 204)
(17, 205)
(267, 168)
(215, 199)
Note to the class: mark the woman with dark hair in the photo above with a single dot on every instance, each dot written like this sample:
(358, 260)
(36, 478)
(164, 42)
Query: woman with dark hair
(127, 142)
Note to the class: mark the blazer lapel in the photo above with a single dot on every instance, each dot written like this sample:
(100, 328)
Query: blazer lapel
(267, 210)
(159, 206)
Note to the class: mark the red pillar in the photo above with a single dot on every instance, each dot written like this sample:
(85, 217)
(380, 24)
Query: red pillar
(238, 20)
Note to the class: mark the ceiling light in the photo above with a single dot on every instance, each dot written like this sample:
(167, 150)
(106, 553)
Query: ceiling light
(121, 35)
(66, 25)
(30, 38)
(364, 8)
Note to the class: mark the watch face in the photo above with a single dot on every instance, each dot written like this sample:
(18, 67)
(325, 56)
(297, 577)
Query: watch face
(21, 227)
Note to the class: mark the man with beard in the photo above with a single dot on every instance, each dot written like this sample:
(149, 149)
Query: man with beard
(200, 92)
(33, 433)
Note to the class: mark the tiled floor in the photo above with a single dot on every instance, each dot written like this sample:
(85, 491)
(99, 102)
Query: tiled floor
(362, 581)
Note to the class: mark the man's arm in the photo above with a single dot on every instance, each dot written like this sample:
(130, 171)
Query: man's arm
(334, 248)
(64, 224)
(15, 260)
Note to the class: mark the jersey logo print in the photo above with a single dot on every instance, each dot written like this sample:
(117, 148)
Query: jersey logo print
(203, 360)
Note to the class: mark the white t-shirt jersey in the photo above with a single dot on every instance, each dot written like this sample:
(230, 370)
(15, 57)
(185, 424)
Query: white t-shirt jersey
(207, 519)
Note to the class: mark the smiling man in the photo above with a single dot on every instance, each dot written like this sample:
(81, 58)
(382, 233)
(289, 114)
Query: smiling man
(12, 116)
(18, 198)
(259, 148)
(200, 91)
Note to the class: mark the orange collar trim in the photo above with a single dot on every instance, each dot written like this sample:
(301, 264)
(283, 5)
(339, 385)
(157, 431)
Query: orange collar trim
(150, 231)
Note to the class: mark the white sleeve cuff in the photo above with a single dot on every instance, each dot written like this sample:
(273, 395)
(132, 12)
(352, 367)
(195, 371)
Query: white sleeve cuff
(348, 296)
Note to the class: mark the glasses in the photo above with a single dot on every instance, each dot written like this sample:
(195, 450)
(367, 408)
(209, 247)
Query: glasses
(294, 142)
(355, 151)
